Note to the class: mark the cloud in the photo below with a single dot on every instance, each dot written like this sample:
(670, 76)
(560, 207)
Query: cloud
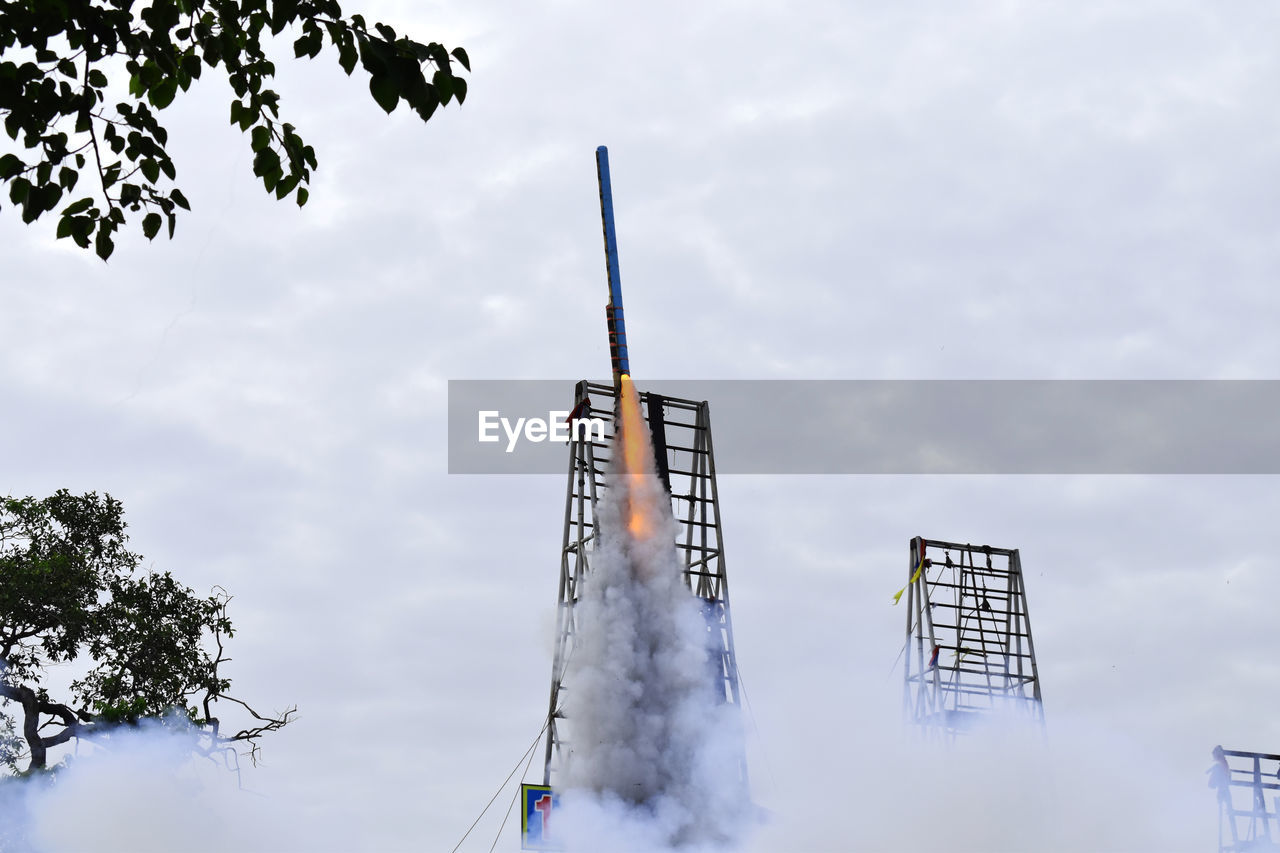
(837, 191)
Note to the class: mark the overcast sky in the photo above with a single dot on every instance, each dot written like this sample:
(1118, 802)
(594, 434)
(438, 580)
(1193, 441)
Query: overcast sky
(826, 191)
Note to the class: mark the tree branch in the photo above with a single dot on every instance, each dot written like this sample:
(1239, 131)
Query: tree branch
(93, 138)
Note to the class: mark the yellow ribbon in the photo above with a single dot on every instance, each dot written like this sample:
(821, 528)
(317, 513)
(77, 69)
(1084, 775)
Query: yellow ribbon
(897, 596)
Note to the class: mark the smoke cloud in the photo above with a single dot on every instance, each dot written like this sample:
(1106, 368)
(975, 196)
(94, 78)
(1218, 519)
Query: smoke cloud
(143, 789)
(1000, 788)
(655, 758)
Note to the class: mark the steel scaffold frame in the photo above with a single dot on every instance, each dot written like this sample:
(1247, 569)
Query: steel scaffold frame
(682, 439)
(1257, 827)
(976, 618)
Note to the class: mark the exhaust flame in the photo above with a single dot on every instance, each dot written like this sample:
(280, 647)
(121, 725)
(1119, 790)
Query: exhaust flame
(636, 463)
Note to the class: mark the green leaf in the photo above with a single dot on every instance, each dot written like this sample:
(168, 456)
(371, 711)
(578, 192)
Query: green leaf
(272, 101)
(103, 244)
(461, 55)
(376, 57)
(179, 199)
(10, 165)
(303, 195)
(64, 227)
(426, 104)
(385, 92)
(151, 225)
(261, 138)
(347, 53)
(286, 186)
(151, 169)
(283, 13)
(443, 81)
(81, 228)
(77, 206)
(161, 95)
(191, 66)
(267, 166)
(18, 190)
(50, 195)
(68, 177)
(460, 89)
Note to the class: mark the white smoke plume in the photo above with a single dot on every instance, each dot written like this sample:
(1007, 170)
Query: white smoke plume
(654, 761)
(141, 789)
(878, 786)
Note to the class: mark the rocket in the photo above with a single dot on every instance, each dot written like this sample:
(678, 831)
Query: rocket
(618, 343)
(613, 311)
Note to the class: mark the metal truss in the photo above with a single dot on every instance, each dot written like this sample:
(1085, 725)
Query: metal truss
(1254, 827)
(681, 431)
(969, 649)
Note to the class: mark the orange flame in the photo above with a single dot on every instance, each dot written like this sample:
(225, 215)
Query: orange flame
(635, 462)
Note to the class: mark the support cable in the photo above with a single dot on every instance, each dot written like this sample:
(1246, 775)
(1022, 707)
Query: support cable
(898, 658)
(528, 751)
(514, 796)
(742, 688)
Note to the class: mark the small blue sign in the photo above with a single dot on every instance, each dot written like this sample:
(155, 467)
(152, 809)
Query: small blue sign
(537, 820)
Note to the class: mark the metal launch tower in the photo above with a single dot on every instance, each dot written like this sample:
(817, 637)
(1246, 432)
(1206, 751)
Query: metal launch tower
(969, 650)
(683, 461)
(1255, 827)
(681, 431)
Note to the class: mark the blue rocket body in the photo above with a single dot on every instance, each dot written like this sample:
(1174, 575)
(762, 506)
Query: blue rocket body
(613, 311)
